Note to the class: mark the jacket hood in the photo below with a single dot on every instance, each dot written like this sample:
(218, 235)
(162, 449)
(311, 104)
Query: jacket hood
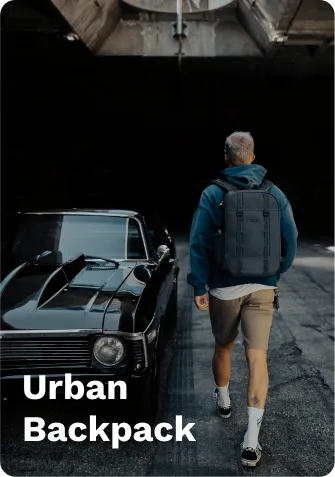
(247, 177)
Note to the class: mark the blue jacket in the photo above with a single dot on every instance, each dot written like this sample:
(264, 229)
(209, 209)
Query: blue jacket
(207, 221)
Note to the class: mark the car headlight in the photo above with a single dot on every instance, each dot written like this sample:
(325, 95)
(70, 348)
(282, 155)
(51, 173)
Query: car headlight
(108, 350)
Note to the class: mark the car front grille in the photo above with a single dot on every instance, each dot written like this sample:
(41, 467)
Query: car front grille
(44, 352)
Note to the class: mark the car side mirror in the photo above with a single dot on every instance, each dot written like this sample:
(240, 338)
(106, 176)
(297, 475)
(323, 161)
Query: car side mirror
(163, 252)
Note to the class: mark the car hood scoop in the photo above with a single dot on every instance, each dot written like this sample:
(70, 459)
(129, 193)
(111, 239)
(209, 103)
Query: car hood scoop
(71, 296)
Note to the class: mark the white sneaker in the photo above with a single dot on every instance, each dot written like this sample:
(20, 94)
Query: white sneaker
(223, 412)
(249, 456)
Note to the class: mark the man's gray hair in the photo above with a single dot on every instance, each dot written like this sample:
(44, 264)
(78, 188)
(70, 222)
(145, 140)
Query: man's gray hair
(239, 147)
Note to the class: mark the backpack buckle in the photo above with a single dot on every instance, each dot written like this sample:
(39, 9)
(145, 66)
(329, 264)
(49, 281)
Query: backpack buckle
(266, 213)
(239, 213)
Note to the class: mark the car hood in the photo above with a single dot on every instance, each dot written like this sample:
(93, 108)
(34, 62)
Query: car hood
(72, 296)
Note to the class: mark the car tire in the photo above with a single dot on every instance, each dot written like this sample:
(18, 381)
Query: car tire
(3, 405)
(172, 308)
(149, 400)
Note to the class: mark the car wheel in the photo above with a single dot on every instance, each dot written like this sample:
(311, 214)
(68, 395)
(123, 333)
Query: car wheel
(172, 308)
(3, 405)
(148, 402)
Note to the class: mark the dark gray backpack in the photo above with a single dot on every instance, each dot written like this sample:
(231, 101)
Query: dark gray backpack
(249, 241)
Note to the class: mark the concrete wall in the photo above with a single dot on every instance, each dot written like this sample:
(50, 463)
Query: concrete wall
(147, 36)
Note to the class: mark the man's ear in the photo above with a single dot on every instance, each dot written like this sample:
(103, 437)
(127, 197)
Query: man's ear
(226, 158)
(253, 158)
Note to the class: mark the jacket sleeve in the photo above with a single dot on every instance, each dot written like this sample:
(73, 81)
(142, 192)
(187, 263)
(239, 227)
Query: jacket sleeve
(201, 245)
(289, 236)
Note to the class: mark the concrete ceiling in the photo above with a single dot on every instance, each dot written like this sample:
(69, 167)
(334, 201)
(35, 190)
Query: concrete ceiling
(299, 22)
(93, 20)
(170, 6)
(210, 28)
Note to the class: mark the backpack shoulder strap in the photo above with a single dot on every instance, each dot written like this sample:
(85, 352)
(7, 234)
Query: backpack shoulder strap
(265, 185)
(224, 185)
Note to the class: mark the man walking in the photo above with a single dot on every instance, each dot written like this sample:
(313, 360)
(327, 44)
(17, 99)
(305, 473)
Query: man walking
(243, 237)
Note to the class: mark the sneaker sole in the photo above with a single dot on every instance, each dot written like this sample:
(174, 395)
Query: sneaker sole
(224, 417)
(250, 463)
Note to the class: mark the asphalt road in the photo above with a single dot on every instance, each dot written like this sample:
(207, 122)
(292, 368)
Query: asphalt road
(297, 433)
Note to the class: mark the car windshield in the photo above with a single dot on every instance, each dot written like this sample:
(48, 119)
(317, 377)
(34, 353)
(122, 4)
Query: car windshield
(108, 237)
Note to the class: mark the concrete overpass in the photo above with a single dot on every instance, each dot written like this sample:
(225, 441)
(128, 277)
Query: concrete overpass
(199, 28)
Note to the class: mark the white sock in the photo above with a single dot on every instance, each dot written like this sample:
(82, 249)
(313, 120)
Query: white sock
(224, 395)
(254, 425)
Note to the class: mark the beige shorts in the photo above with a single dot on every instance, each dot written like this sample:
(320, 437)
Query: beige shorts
(254, 311)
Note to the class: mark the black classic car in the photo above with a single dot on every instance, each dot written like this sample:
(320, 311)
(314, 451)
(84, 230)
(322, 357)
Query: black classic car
(87, 292)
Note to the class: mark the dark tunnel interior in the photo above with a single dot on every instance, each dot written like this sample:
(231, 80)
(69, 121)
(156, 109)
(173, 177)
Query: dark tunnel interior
(81, 131)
